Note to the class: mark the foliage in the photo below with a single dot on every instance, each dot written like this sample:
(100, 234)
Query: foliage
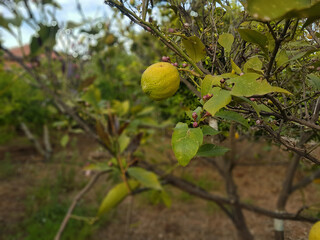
(248, 68)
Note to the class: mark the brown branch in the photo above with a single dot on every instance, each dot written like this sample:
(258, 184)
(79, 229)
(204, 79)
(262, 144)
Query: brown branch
(32, 139)
(278, 42)
(196, 191)
(305, 181)
(191, 87)
(299, 151)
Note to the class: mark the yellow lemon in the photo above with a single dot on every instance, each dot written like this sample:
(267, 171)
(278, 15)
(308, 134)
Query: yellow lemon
(160, 81)
(314, 233)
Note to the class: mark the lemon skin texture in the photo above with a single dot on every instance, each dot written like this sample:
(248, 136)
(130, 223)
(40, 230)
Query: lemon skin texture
(314, 233)
(160, 81)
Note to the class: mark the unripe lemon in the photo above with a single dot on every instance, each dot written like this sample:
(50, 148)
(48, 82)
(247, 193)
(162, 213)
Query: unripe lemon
(314, 233)
(160, 81)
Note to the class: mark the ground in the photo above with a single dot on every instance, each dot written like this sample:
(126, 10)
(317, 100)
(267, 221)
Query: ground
(28, 185)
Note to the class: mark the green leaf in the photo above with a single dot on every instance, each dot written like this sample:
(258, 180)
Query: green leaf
(227, 75)
(64, 140)
(251, 103)
(165, 198)
(255, 37)
(4, 23)
(253, 64)
(46, 37)
(273, 9)
(226, 41)
(314, 81)
(195, 48)
(124, 141)
(146, 178)
(116, 195)
(311, 11)
(220, 99)
(72, 24)
(208, 82)
(262, 107)
(211, 150)
(282, 58)
(92, 96)
(248, 85)
(235, 67)
(207, 130)
(185, 142)
(309, 21)
(101, 166)
(232, 116)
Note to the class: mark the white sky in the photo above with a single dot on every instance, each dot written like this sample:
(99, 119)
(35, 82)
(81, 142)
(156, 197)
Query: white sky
(92, 9)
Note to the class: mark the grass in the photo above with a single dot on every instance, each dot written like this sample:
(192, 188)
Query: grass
(7, 168)
(46, 205)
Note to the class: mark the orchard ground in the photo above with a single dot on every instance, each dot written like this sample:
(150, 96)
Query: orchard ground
(34, 195)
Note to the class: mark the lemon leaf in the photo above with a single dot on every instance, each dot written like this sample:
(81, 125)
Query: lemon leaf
(255, 37)
(208, 82)
(247, 85)
(146, 178)
(226, 41)
(211, 150)
(219, 100)
(194, 47)
(232, 116)
(185, 142)
(116, 195)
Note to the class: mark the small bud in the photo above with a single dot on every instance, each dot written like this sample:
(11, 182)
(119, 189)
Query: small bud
(170, 30)
(207, 114)
(150, 19)
(110, 164)
(222, 81)
(252, 99)
(186, 25)
(318, 68)
(258, 122)
(148, 29)
(175, 64)
(241, 74)
(165, 59)
(194, 115)
(195, 124)
(185, 65)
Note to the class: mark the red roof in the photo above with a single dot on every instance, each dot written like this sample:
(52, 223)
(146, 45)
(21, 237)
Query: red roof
(25, 51)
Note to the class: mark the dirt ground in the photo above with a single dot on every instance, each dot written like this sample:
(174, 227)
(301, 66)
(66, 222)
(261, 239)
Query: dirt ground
(259, 177)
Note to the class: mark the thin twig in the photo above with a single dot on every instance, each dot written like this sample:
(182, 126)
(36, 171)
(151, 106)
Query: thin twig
(75, 201)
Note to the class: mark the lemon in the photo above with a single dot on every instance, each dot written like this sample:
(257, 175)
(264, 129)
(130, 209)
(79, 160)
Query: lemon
(160, 81)
(314, 233)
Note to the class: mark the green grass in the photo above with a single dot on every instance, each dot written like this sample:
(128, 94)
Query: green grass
(46, 206)
(7, 168)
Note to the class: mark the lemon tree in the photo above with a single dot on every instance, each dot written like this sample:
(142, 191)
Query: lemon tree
(160, 81)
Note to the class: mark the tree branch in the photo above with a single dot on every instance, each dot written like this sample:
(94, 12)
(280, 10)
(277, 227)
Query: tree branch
(75, 201)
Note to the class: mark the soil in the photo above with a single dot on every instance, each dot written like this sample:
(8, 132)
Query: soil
(259, 178)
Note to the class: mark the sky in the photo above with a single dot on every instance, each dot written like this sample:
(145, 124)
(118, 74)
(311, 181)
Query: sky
(92, 8)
